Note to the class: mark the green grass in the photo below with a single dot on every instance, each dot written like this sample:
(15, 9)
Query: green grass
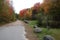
(53, 32)
(32, 23)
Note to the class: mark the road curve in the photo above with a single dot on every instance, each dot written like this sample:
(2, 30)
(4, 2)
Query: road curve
(13, 31)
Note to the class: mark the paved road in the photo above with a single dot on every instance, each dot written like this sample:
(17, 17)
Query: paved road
(12, 31)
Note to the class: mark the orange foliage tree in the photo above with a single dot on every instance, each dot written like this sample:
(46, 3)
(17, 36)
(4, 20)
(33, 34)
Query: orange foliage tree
(27, 13)
(6, 11)
(36, 6)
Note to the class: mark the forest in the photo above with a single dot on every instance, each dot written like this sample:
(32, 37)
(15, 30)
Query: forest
(46, 14)
(7, 13)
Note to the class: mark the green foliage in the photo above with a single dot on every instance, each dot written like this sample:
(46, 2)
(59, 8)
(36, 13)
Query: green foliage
(32, 23)
(40, 17)
(53, 32)
(52, 10)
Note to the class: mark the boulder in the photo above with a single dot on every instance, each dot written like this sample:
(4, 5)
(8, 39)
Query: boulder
(37, 30)
(35, 26)
(48, 37)
(26, 21)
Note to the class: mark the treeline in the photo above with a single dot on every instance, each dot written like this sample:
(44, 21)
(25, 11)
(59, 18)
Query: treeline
(47, 13)
(7, 13)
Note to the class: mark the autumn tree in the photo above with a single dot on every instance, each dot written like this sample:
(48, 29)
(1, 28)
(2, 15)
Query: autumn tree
(25, 13)
(52, 10)
(6, 11)
(35, 10)
(22, 13)
(12, 13)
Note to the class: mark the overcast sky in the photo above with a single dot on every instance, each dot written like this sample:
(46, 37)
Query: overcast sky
(22, 4)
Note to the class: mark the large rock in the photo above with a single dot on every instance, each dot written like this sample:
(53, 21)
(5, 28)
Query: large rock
(26, 21)
(37, 30)
(35, 26)
(48, 37)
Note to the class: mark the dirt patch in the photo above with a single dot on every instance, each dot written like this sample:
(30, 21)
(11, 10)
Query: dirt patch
(30, 34)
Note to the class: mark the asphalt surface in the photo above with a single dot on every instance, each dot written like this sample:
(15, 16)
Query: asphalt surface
(13, 31)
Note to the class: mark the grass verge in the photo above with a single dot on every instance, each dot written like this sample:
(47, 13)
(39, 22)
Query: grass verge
(53, 32)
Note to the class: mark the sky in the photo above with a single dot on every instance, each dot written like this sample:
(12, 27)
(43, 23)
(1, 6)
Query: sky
(23, 4)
